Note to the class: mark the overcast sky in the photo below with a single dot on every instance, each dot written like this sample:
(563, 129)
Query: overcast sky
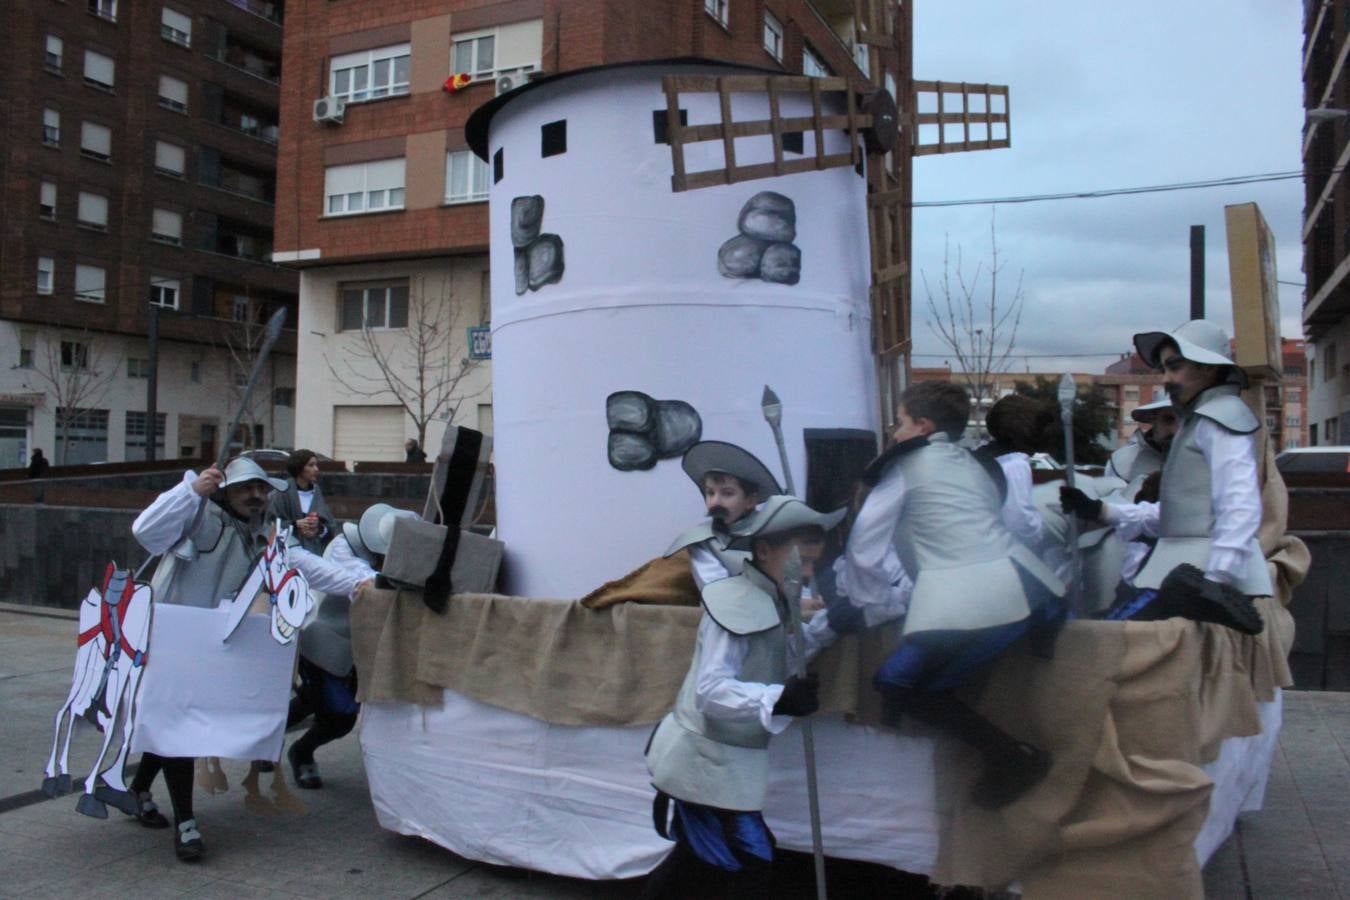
(1108, 95)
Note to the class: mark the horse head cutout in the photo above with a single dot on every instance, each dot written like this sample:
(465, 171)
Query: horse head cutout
(286, 590)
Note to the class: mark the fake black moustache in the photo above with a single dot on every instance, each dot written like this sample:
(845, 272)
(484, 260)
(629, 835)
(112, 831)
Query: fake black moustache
(719, 512)
(1173, 389)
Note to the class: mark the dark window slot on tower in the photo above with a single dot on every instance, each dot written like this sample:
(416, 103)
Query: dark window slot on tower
(660, 126)
(553, 138)
(498, 166)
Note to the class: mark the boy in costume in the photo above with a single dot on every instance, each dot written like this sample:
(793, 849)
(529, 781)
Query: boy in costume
(327, 672)
(710, 754)
(733, 483)
(1207, 563)
(934, 518)
(1016, 425)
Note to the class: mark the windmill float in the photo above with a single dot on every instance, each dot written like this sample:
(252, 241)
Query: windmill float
(682, 233)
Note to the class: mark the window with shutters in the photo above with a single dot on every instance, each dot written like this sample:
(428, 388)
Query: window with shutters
(164, 292)
(364, 187)
(371, 74)
(719, 10)
(166, 226)
(104, 9)
(98, 70)
(173, 93)
(513, 49)
(773, 36)
(47, 200)
(46, 274)
(95, 141)
(92, 211)
(74, 356)
(170, 159)
(137, 367)
(91, 284)
(54, 58)
(51, 127)
(812, 63)
(466, 177)
(175, 27)
(27, 346)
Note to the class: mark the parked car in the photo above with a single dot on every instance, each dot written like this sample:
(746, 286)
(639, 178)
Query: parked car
(1328, 460)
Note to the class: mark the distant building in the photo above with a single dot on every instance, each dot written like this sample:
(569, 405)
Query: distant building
(1326, 220)
(139, 171)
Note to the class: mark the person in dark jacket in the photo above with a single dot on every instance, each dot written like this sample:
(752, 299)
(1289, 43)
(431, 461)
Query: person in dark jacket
(302, 503)
(412, 452)
(38, 465)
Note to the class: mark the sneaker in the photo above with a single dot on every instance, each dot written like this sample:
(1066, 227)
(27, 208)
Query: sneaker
(147, 813)
(1011, 776)
(187, 844)
(306, 773)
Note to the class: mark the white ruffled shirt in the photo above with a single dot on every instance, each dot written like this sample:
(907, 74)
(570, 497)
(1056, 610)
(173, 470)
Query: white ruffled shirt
(1234, 491)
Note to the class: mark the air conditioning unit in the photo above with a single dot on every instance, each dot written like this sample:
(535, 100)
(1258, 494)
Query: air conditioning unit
(330, 109)
(509, 81)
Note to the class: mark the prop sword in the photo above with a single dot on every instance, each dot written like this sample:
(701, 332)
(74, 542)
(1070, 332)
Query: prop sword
(270, 335)
(1068, 393)
(792, 590)
(772, 408)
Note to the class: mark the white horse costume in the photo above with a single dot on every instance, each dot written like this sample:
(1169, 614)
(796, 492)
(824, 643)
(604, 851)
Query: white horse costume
(110, 657)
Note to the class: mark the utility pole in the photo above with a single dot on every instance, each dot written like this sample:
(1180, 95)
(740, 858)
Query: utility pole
(152, 384)
(1197, 271)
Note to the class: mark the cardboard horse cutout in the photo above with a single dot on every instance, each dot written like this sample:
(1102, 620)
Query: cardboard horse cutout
(110, 657)
(287, 591)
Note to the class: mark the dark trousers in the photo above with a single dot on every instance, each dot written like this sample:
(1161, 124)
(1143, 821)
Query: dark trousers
(320, 695)
(177, 779)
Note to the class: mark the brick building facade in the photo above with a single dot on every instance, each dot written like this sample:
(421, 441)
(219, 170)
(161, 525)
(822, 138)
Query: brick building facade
(1326, 222)
(137, 166)
(389, 205)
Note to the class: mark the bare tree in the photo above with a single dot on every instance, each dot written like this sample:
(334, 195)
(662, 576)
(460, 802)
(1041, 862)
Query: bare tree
(412, 365)
(976, 323)
(78, 371)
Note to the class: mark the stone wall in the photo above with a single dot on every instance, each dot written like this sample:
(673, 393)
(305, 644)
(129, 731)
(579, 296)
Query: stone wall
(53, 555)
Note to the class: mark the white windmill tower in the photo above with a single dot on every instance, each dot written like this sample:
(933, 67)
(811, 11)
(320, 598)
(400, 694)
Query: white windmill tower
(683, 233)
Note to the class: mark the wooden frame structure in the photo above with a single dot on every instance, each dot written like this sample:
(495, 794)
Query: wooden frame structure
(965, 117)
(728, 130)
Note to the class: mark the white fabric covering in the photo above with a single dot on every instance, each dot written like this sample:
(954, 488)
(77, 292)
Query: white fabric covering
(507, 789)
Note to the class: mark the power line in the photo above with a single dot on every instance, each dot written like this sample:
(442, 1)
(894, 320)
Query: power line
(1117, 192)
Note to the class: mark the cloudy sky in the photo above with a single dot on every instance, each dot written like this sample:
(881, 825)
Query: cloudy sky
(1109, 95)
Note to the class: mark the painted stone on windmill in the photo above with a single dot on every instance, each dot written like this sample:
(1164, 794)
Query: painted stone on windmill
(764, 248)
(643, 430)
(538, 257)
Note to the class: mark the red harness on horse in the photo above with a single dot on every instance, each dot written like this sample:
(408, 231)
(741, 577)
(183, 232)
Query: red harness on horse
(104, 626)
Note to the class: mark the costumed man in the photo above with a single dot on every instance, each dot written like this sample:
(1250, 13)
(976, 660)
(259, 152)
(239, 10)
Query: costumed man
(302, 505)
(1207, 563)
(1143, 453)
(733, 482)
(710, 754)
(1016, 425)
(209, 528)
(327, 671)
(934, 518)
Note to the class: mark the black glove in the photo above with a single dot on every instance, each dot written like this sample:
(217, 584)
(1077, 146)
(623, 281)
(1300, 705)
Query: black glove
(1186, 592)
(1080, 504)
(799, 696)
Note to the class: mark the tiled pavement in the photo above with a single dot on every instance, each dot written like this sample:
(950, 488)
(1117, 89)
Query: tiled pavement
(1298, 846)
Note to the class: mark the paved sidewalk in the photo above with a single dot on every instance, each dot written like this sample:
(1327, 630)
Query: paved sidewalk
(1298, 846)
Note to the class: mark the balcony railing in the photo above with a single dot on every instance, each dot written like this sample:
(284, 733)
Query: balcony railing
(263, 10)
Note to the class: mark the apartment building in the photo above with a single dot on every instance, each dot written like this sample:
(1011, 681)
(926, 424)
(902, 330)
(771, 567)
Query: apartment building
(138, 168)
(385, 210)
(1326, 217)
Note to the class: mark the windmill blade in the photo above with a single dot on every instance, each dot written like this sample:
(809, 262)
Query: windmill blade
(980, 109)
(853, 122)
